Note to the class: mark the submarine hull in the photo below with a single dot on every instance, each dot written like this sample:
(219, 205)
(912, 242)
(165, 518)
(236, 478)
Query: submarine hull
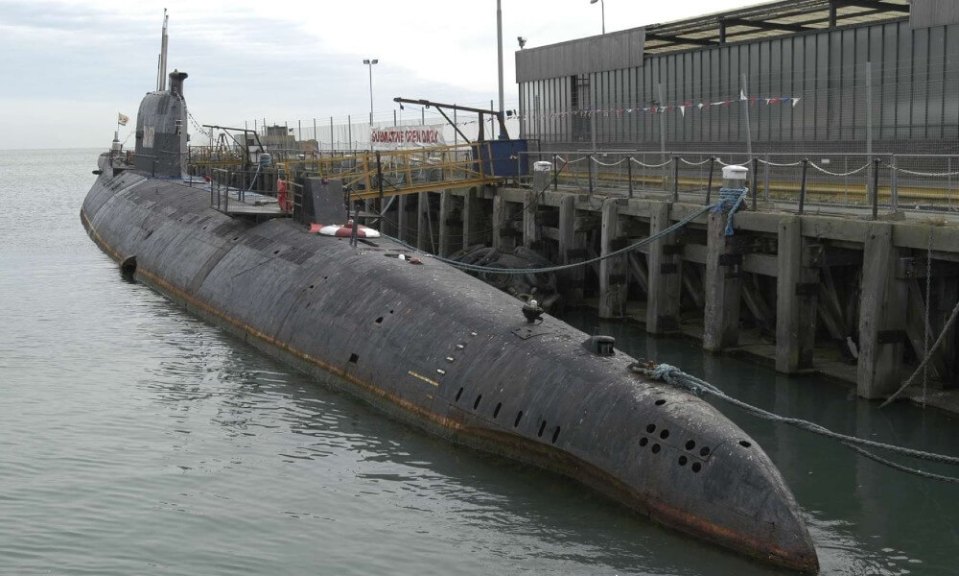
(444, 351)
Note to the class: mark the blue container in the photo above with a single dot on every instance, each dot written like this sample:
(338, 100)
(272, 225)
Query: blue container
(501, 158)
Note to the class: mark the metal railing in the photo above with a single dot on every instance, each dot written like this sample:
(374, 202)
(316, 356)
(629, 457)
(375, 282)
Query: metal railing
(844, 180)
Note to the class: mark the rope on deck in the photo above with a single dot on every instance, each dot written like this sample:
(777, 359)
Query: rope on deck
(676, 377)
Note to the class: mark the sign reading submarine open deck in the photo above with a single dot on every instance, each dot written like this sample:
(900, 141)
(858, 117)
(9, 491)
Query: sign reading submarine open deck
(437, 348)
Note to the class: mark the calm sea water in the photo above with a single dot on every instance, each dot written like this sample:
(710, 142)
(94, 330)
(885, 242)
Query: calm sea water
(134, 439)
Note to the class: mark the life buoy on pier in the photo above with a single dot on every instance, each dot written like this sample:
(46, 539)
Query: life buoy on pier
(344, 230)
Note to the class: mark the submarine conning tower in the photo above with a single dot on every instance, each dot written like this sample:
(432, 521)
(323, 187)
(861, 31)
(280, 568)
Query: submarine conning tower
(161, 136)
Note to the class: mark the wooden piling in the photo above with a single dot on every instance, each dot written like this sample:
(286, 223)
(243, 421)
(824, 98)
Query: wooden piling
(530, 227)
(471, 213)
(796, 300)
(446, 209)
(664, 273)
(612, 271)
(402, 219)
(882, 322)
(499, 221)
(571, 250)
(423, 240)
(723, 286)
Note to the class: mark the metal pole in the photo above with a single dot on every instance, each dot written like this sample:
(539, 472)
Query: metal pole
(875, 188)
(499, 44)
(589, 168)
(332, 147)
(629, 174)
(894, 182)
(766, 179)
(869, 114)
(379, 180)
(749, 136)
(555, 173)
(675, 178)
(755, 180)
(802, 185)
(709, 185)
(662, 128)
(369, 65)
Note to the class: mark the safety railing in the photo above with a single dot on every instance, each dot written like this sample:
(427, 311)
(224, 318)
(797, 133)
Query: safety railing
(879, 182)
(369, 173)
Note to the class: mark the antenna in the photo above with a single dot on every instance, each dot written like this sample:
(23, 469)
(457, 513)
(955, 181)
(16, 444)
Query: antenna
(161, 64)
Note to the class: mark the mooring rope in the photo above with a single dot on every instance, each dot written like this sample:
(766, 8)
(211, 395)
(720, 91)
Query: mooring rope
(730, 199)
(518, 271)
(515, 271)
(676, 377)
(929, 355)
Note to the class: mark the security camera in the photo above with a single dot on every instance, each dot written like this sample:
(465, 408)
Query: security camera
(522, 42)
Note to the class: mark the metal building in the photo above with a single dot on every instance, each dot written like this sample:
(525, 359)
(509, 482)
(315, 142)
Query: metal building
(824, 75)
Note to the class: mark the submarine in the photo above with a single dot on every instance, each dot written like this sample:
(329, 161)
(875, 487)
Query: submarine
(432, 346)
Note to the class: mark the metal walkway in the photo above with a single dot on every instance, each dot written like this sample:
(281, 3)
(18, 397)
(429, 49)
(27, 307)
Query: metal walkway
(381, 173)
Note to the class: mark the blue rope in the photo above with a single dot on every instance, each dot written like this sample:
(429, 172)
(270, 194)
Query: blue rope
(730, 199)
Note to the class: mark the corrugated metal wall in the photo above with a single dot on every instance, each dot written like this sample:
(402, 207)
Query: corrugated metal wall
(594, 54)
(806, 91)
(927, 13)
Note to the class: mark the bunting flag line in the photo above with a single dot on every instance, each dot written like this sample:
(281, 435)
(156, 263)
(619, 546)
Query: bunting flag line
(682, 107)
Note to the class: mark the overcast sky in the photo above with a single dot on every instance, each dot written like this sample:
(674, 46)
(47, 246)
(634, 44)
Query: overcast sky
(69, 67)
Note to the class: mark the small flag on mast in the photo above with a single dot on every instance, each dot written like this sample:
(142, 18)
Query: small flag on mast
(122, 119)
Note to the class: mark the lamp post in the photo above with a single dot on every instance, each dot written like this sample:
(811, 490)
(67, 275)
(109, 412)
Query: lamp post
(602, 6)
(499, 53)
(369, 64)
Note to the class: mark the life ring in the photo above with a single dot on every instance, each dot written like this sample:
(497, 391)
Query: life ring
(345, 230)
